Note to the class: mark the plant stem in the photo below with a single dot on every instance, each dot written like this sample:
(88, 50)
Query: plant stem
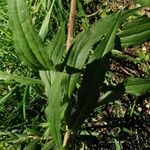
(70, 36)
(71, 24)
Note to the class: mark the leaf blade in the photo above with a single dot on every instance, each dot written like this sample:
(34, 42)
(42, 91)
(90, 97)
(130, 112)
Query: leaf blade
(137, 86)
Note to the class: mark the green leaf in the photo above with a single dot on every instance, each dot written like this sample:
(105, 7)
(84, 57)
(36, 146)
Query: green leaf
(93, 78)
(25, 97)
(46, 79)
(84, 42)
(107, 43)
(45, 25)
(137, 21)
(21, 45)
(137, 86)
(27, 43)
(56, 107)
(135, 32)
(23, 80)
(56, 48)
(143, 2)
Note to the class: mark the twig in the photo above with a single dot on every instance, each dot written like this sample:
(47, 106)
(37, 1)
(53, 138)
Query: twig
(71, 23)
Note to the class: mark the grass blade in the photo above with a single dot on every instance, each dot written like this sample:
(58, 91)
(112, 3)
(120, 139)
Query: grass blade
(25, 97)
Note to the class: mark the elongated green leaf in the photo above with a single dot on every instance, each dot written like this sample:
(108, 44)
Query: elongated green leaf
(56, 47)
(56, 86)
(102, 49)
(88, 93)
(143, 2)
(25, 98)
(133, 24)
(137, 21)
(30, 34)
(22, 47)
(85, 41)
(137, 86)
(93, 79)
(45, 26)
(46, 79)
(23, 80)
(100, 27)
(27, 43)
(135, 33)
(55, 107)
